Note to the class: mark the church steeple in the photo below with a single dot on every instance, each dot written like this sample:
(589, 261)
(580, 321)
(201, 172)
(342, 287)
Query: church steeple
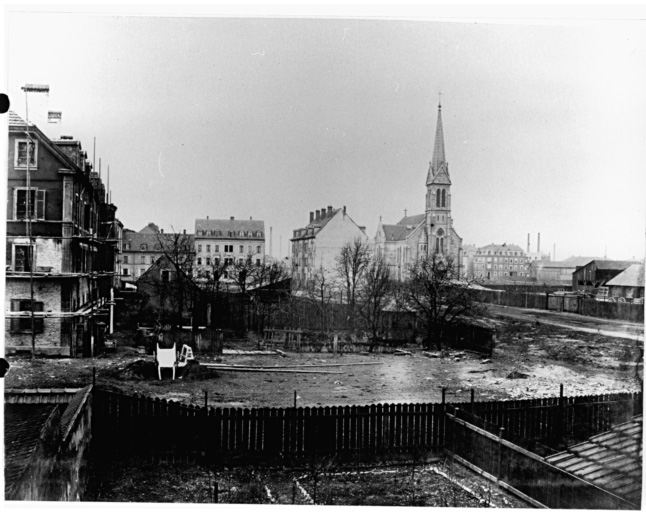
(439, 157)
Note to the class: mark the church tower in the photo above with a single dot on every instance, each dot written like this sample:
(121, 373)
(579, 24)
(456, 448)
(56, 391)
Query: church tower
(439, 224)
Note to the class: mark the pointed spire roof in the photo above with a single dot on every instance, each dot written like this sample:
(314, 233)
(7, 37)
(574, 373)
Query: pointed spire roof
(439, 157)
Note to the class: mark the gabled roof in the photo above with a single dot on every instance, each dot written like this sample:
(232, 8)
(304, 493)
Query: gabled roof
(151, 228)
(151, 240)
(412, 220)
(633, 276)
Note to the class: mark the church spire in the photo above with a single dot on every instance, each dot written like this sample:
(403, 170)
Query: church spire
(439, 158)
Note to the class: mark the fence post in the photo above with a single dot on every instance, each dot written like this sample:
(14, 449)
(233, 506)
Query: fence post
(500, 434)
(547, 300)
(473, 399)
(561, 414)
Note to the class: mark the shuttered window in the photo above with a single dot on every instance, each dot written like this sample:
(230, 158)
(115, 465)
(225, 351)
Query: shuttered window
(36, 204)
(23, 324)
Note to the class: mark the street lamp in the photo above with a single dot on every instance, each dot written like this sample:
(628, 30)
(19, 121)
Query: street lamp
(37, 89)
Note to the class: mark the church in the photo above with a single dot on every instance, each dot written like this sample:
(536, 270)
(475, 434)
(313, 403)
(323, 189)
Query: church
(431, 232)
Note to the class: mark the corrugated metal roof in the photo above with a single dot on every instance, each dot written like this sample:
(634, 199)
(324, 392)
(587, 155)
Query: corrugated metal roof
(613, 264)
(633, 276)
(611, 461)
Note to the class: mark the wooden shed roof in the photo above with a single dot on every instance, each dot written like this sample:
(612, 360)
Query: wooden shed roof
(611, 461)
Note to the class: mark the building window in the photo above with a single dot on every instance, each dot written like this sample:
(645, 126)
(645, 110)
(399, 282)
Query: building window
(199, 247)
(257, 262)
(152, 260)
(127, 248)
(208, 261)
(141, 271)
(125, 272)
(258, 249)
(217, 248)
(208, 247)
(125, 259)
(165, 276)
(21, 153)
(36, 204)
(443, 198)
(22, 258)
(199, 261)
(143, 259)
(241, 249)
(241, 233)
(438, 196)
(24, 324)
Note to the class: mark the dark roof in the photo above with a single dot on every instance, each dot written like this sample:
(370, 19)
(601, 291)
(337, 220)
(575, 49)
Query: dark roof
(611, 461)
(394, 232)
(412, 220)
(612, 264)
(226, 225)
(633, 276)
(23, 425)
(151, 239)
(580, 261)
(318, 224)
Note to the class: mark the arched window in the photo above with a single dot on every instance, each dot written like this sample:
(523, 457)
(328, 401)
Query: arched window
(437, 198)
(443, 198)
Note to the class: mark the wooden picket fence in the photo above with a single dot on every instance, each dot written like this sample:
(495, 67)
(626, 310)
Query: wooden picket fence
(124, 425)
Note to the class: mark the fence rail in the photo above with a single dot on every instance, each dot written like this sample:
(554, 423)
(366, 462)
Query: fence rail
(128, 424)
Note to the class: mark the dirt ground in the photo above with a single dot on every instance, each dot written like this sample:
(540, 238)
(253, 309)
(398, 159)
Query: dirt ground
(439, 484)
(535, 353)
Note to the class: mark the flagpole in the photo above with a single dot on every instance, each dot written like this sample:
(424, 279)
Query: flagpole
(30, 257)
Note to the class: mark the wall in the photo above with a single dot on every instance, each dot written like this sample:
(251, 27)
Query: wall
(50, 340)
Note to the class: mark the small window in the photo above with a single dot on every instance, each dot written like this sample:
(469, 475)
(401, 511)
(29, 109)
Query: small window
(208, 247)
(125, 272)
(443, 198)
(22, 258)
(144, 247)
(21, 153)
(258, 249)
(241, 249)
(165, 276)
(208, 261)
(199, 261)
(36, 204)
(199, 247)
(125, 259)
(143, 259)
(241, 233)
(217, 248)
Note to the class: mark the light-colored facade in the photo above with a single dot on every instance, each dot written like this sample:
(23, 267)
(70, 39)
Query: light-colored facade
(499, 262)
(317, 245)
(228, 241)
(427, 233)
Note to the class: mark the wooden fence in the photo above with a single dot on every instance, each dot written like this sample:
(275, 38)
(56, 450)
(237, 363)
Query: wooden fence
(566, 303)
(523, 472)
(128, 424)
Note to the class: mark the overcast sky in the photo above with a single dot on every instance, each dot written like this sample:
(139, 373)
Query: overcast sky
(273, 118)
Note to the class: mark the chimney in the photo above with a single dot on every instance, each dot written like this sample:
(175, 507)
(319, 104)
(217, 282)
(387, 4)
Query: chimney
(329, 211)
(207, 217)
(538, 246)
(271, 241)
(344, 211)
(527, 243)
(232, 218)
(323, 212)
(311, 217)
(250, 218)
(318, 214)
(184, 231)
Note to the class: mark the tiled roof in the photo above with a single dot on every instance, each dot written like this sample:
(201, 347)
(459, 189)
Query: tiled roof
(320, 223)
(151, 240)
(15, 119)
(412, 220)
(611, 461)
(226, 225)
(395, 232)
(632, 276)
(501, 247)
(580, 261)
(23, 425)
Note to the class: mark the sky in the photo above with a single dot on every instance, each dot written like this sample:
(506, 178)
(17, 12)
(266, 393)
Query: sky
(275, 117)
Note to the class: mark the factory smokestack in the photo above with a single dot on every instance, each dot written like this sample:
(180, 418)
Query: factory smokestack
(538, 247)
(527, 243)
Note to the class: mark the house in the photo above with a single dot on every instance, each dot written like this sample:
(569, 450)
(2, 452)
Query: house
(143, 248)
(62, 246)
(228, 241)
(500, 261)
(316, 246)
(430, 232)
(629, 284)
(557, 272)
(171, 292)
(595, 274)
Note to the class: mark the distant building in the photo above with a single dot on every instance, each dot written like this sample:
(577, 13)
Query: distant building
(557, 272)
(317, 245)
(500, 262)
(468, 260)
(143, 248)
(228, 241)
(595, 274)
(536, 255)
(427, 233)
(69, 258)
(629, 285)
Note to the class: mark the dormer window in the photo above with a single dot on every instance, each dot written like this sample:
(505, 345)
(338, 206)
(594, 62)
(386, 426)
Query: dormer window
(241, 233)
(144, 247)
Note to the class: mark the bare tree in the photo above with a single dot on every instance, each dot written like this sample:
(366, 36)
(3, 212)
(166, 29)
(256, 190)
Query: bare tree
(243, 273)
(434, 290)
(373, 294)
(180, 290)
(320, 288)
(351, 263)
